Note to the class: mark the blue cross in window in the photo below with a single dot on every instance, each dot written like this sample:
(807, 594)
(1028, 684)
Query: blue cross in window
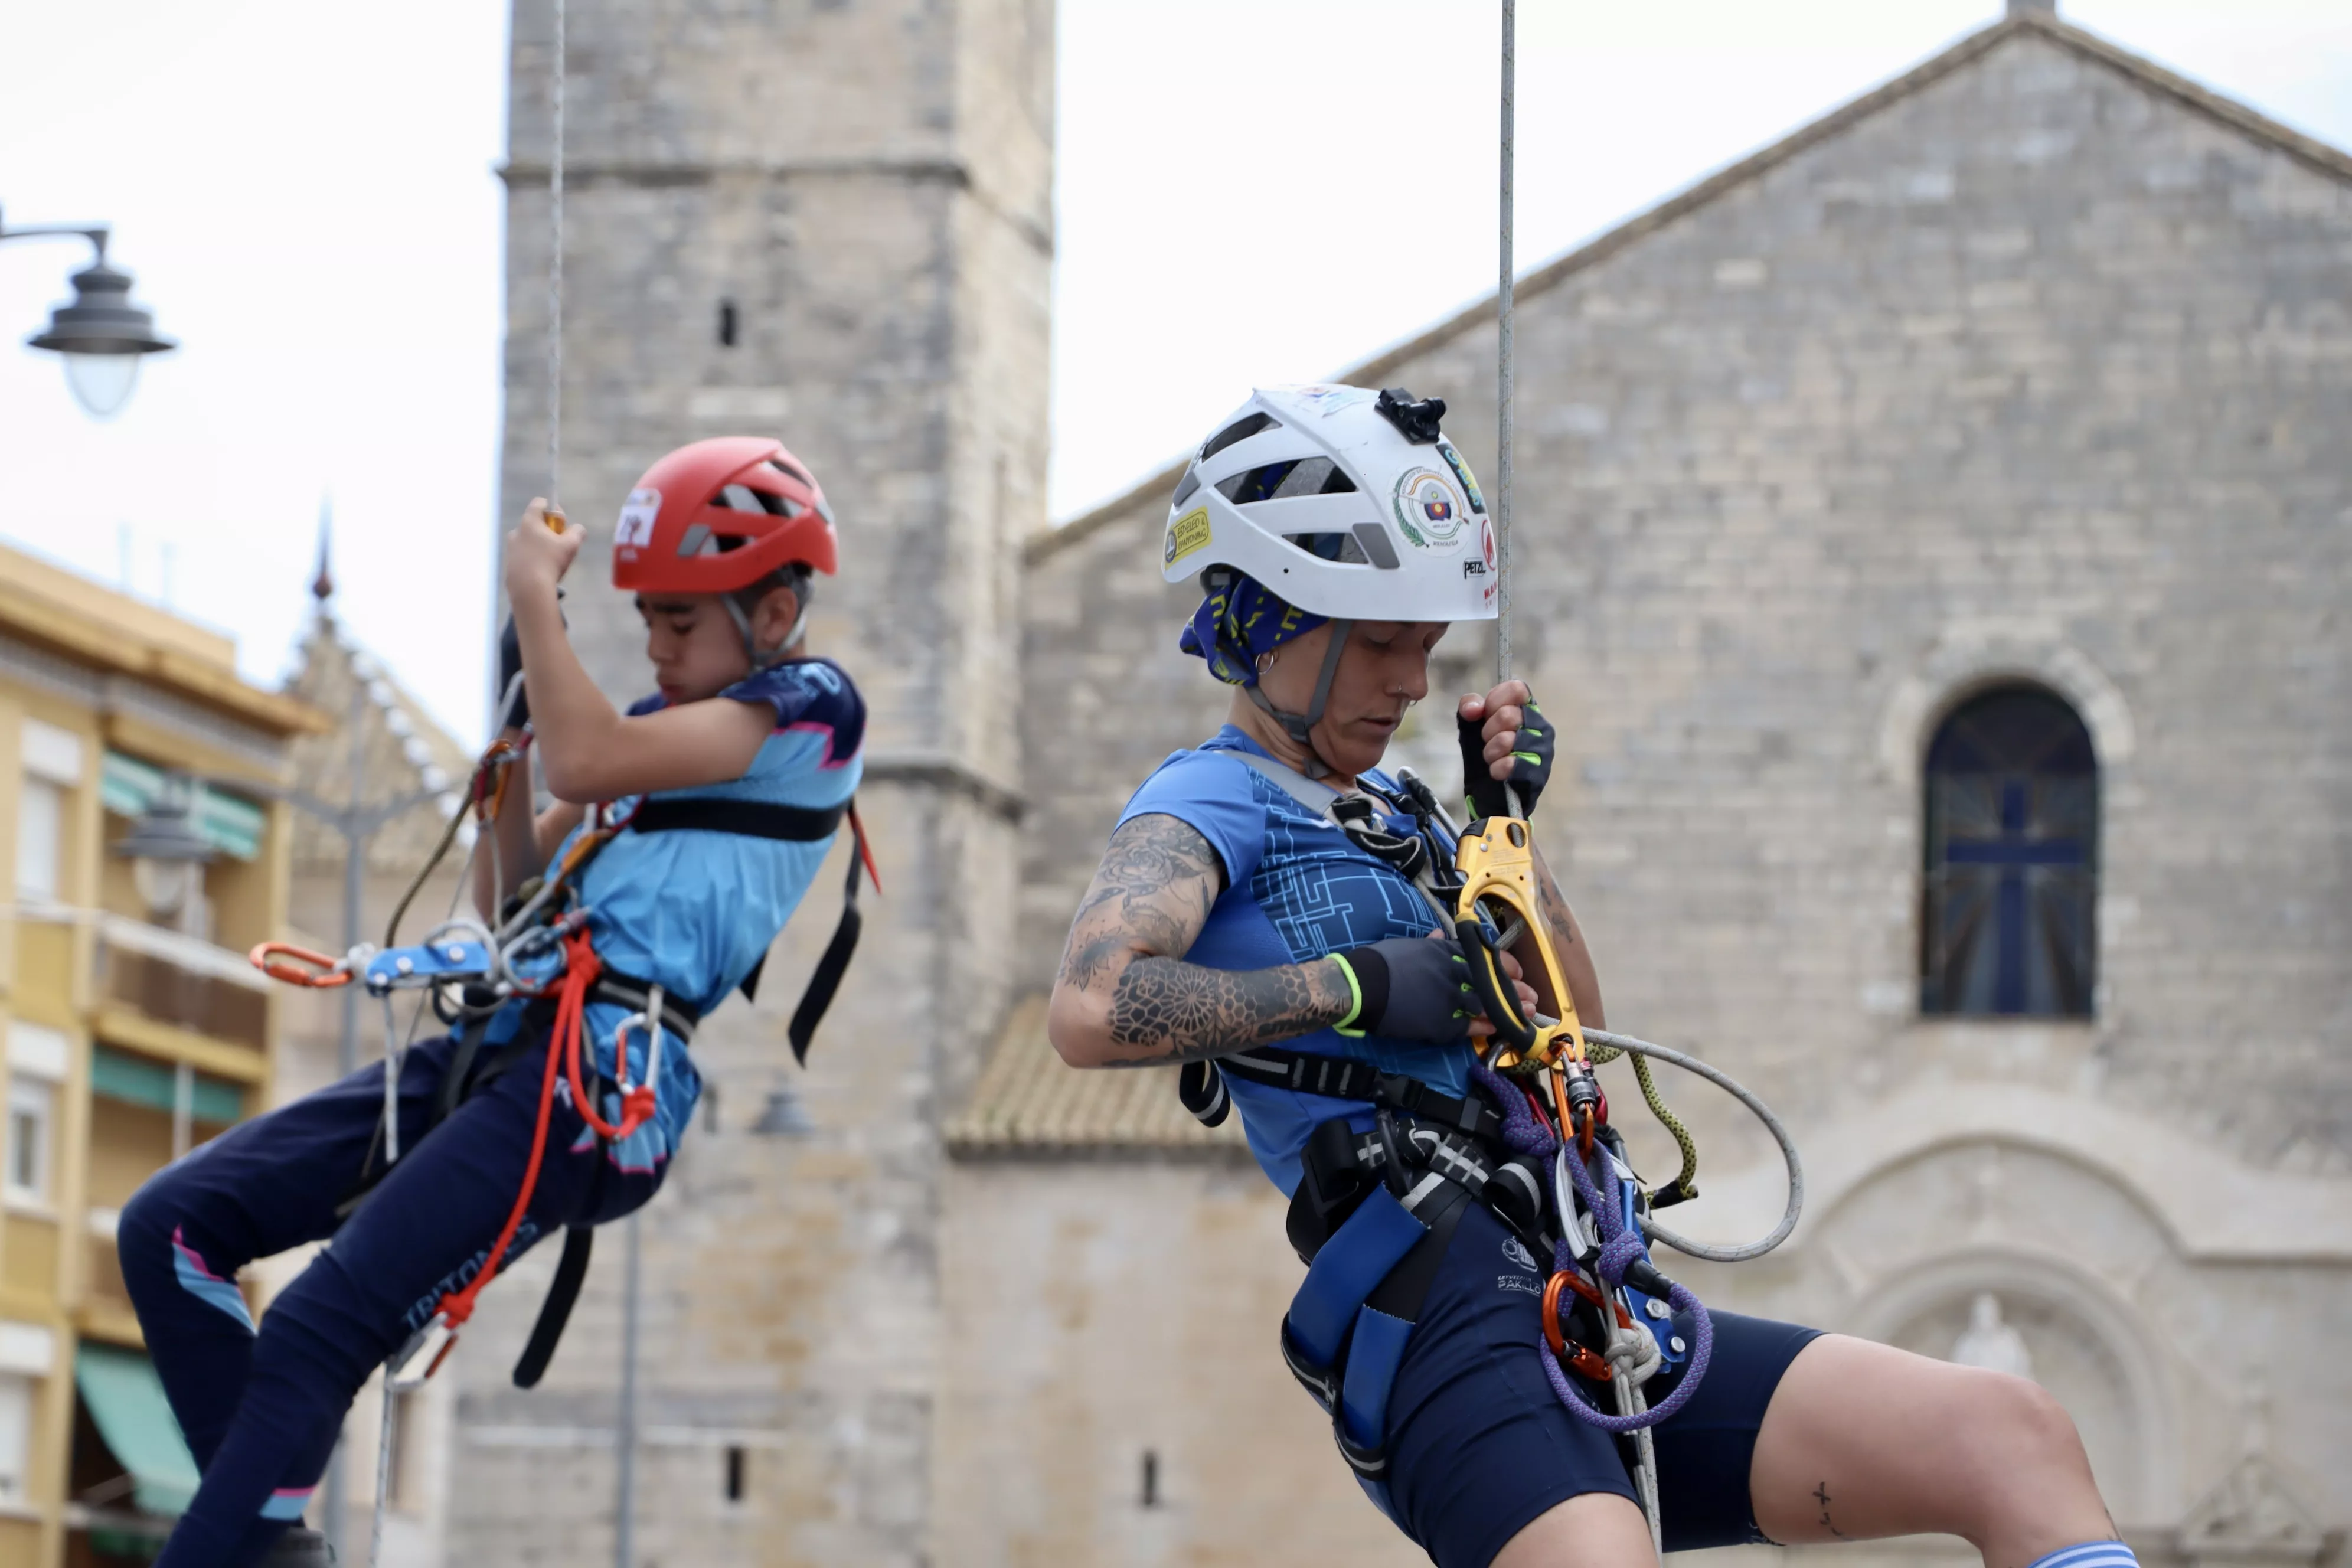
(2014, 852)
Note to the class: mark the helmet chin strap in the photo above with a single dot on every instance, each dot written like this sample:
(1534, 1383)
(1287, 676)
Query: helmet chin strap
(1299, 725)
(762, 658)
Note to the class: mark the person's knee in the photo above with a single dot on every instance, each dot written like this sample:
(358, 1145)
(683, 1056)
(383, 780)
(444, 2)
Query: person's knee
(2015, 1438)
(153, 1211)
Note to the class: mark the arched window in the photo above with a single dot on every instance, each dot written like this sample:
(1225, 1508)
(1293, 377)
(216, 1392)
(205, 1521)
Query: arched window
(2012, 846)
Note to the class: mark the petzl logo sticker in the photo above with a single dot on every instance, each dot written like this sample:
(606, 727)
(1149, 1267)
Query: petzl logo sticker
(1463, 475)
(636, 529)
(1427, 505)
(1186, 534)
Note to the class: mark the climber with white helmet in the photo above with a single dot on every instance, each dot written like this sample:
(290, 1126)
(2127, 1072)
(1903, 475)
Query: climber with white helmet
(682, 836)
(1272, 915)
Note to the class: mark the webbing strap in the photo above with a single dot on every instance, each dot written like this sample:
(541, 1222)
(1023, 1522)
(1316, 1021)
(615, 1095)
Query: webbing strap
(1350, 1268)
(1316, 798)
(1372, 1358)
(835, 963)
(1334, 1078)
(571, 1271)
(746, 819)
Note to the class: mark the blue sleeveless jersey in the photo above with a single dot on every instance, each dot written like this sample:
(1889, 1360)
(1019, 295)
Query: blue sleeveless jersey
(694, 911)
(1297, 890)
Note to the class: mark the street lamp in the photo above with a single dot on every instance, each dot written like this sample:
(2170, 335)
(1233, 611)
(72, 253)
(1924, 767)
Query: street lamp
(102, 335)
(167, 858)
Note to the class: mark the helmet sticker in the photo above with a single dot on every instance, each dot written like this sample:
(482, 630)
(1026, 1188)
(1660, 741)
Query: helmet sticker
(1427, 505)
(636, 529)
(1330, 400)
(1468, 480)
(1187, 535)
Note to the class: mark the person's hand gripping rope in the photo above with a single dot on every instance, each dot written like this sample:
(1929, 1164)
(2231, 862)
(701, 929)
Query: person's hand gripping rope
(1506, 745)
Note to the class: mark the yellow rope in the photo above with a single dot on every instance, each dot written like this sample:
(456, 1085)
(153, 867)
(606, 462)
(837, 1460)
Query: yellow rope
(1688, 1178)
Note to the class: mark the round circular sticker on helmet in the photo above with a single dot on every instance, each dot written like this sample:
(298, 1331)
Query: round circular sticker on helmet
(1428, 508)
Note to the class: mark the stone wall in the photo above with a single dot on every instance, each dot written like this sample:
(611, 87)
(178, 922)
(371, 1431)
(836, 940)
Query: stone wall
(2028, 366)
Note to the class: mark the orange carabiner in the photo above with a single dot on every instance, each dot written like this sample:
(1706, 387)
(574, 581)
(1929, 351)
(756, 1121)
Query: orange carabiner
(318, 971)
(1578, 1359)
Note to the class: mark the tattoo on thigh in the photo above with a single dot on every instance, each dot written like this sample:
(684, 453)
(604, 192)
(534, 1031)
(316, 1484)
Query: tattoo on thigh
(1822, 1496)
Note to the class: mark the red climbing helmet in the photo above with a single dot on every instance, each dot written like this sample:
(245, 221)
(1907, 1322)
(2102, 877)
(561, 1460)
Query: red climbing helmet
(718, 515)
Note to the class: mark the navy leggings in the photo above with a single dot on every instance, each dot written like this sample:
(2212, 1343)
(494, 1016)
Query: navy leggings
(1479, 1446)
(261, 1411)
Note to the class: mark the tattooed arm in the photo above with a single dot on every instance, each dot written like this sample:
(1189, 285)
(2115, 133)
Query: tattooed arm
(1569, 946)
(1126, 997)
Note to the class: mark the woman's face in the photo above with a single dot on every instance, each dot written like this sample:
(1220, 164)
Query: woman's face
(1383, 671)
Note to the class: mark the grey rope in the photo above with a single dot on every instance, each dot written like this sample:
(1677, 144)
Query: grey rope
(555, 269)
(385, 1435)
(1503, 360)
(1757, 1107)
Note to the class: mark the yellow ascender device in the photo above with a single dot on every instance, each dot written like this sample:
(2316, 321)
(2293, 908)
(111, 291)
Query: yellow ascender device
(1494, 908)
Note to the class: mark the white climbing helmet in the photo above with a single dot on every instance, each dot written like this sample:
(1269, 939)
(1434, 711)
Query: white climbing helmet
(1343, 501)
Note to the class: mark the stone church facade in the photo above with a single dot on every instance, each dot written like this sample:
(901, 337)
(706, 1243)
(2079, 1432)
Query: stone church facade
(2026, 372)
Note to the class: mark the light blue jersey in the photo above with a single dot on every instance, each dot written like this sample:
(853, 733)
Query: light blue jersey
(693, 910)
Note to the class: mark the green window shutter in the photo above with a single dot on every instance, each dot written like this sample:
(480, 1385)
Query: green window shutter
(125, 1401)
(138, 1081)
(128, 787)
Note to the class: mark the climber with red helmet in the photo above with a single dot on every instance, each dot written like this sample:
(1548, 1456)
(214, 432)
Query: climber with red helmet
(682, 836)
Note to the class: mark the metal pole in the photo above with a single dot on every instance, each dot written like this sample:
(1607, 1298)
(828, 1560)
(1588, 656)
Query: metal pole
(625, 1523)
(1503, 365)
(347, 1046)
(347, 1049)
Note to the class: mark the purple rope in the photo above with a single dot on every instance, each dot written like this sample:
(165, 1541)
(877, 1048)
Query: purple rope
(1620, 1246)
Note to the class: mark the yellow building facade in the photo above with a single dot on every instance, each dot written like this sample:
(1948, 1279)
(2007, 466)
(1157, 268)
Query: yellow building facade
(132, 1026)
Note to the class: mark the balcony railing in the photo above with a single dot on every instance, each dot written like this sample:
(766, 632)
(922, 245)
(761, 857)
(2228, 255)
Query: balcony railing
(182, 981)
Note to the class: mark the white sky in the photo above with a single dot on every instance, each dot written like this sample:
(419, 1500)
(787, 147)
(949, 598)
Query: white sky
(1247, 191)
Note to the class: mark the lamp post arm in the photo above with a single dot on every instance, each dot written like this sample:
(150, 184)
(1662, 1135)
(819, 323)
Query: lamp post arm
(96, 232)
(351, 822)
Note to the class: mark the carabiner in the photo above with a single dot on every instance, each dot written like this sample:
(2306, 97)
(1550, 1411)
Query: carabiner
(638, 1100)
(318, 971)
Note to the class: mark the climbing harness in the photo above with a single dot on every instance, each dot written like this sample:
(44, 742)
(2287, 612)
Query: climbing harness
(476, 971)
(1376, 1208)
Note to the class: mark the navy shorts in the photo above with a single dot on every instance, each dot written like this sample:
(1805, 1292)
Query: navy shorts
(1480, 1445)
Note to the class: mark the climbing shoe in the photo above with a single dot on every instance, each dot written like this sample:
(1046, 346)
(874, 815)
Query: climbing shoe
(300, 1547)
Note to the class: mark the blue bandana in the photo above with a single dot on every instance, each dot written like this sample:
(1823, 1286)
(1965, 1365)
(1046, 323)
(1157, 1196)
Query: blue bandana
(1238, 624)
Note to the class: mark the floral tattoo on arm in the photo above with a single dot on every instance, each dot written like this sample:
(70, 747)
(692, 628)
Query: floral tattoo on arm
(1149, 899)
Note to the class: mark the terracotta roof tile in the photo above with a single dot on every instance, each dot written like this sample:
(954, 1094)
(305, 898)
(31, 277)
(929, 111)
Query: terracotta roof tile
(1028, 1104)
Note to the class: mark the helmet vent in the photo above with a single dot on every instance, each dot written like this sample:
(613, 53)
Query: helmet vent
(1281, 482)
(1342, 548)
(1186, 485)
(788, 471)
(1241, 429)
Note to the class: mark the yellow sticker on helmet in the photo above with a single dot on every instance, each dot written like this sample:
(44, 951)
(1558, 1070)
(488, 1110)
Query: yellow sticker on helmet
(1187, 535)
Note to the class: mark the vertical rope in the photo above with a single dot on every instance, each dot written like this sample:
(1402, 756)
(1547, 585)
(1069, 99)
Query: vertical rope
(1503, 357)
(384, 1437)
(555, 266)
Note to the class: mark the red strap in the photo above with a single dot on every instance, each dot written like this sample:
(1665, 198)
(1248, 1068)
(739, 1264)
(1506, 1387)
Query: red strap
(864, 850)
(459, 1306)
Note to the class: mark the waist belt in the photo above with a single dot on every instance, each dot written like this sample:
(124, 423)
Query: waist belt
(1202, 1087)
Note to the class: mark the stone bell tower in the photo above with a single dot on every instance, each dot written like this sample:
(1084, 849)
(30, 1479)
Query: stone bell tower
(829, 221)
